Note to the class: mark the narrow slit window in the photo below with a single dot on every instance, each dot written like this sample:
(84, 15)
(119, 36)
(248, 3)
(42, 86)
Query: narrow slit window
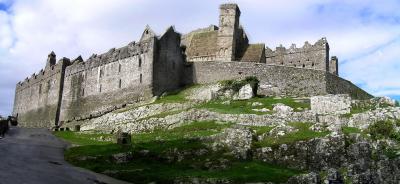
(140, 78)
(120, 83)
(100, 88)
(140, 62)
(119, 68)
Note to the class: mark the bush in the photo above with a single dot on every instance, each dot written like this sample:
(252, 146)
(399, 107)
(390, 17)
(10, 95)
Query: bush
(397, 103)
(235, 85)
(381, 129)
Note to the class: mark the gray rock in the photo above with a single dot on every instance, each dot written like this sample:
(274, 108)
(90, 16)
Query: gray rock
(255, 104)
(331, 104)
(282, 108)
(237, 139)
(310, 178)
(246, 92)
(121, 158)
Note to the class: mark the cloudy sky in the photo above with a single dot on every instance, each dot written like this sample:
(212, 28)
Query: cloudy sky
(364, 34)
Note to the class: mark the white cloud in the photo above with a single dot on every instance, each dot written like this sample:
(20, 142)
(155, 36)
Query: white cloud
(29, 30)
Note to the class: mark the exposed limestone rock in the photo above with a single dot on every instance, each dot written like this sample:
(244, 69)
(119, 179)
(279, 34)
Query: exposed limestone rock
(120, 158)
(205, 92)
(364, 119)
(237, 139)
(310, 178)
(255, 104)
(331, 104)
(281, 130)
(261, 110)
(282, 109)
(245, 92)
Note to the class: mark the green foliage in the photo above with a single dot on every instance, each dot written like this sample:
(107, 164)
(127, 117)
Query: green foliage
(162, 115)
(349, 130)
(153, 167)
(245, 106)
(261, 129)
(397, 104)
(303, 133)
(381, 129)
(392, 153)
(177, 96)
(84, 138)
(235, 85)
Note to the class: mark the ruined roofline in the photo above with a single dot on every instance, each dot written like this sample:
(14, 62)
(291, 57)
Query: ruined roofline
(318, 45)
(230, 6)
(115, 54)
(33, 79)
(257, 64)
(211, 27)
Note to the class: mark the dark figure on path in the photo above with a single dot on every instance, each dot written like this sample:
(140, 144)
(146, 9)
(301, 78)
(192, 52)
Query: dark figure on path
(3, 127)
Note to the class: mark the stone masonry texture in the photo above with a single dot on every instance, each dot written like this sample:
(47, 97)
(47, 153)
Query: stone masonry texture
(68, 90)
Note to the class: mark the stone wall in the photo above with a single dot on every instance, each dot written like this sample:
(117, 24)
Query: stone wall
(118, 77)
(37, 99)
(169, 63)
(309, 56)
(331, 104)
(274, 80)
(337, 85)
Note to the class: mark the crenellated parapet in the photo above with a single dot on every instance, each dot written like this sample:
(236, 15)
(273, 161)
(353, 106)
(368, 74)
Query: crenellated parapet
(133, 49)
(310, 56)
(52, 68)
(321, 44)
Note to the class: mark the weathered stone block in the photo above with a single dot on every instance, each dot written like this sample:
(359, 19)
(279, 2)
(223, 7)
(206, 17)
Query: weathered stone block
(331, 104)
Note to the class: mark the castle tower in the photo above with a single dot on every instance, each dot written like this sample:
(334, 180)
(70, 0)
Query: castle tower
(227, 33)
(51, 60)
(333, 66)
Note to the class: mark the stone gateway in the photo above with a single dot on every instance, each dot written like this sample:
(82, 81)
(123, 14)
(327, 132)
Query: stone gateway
(72, 89)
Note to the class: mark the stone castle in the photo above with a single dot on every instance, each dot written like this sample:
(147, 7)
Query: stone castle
(69, 89)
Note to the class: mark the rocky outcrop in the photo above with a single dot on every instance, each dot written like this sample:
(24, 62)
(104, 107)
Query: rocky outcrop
(331, 104)
(237, 139)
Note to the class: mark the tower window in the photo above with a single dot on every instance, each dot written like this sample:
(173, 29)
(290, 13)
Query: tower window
(100, 88)
(101, 73)
(140, 78)
(120, 83)
(304, 65)
(83, 92)
(119, 68)
(140, 62)
(40, 88)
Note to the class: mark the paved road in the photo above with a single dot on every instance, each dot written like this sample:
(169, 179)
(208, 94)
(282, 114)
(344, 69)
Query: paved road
(35, 156)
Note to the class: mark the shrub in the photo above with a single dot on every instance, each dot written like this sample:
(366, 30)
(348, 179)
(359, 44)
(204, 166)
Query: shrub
(397, 103)
(381, 129)
(235, 85)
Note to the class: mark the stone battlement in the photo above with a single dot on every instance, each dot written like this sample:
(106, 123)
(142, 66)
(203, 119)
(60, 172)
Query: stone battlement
(78, 89)
(307, 47)
(43, 74)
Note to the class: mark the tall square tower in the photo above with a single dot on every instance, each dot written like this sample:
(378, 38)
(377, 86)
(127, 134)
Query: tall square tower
(228, 30)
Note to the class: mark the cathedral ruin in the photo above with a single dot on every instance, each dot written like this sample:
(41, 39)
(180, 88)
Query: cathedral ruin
(69, 89)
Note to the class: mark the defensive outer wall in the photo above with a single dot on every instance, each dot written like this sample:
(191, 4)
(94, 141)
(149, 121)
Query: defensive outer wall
(75, 89)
